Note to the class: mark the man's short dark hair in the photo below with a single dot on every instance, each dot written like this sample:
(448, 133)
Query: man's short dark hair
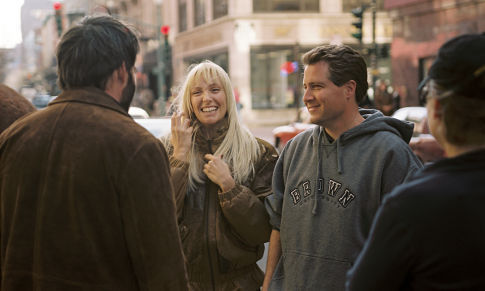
(344, 64)
(91, 51)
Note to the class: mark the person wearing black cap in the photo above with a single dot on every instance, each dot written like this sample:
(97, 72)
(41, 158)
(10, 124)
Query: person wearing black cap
(429, 234)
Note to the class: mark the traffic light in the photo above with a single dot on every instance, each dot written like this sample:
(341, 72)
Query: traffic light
(58, 16)
(167, 59)
(359, 14)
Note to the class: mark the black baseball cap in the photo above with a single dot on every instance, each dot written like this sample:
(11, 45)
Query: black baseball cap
(459, 62)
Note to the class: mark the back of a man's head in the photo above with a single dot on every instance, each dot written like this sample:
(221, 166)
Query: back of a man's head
(91, 51)
(344, 64)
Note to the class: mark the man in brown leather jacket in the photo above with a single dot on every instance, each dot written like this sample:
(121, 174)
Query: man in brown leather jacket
(86, 197)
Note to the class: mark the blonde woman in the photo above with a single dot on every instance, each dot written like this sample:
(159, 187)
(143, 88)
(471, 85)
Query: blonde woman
(221, 174)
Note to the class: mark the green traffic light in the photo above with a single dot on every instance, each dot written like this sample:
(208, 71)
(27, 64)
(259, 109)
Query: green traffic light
(357, 35)
(359, 14)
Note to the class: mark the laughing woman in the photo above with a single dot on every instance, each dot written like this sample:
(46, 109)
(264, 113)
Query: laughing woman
(221, 174)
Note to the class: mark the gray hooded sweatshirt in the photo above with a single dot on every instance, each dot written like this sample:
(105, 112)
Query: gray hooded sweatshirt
(326, 194)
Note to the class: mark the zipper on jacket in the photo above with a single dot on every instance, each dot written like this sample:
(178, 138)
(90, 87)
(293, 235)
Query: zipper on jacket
(206, 217)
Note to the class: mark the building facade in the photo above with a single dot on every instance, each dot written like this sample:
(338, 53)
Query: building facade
(420, 27)
(260, 43)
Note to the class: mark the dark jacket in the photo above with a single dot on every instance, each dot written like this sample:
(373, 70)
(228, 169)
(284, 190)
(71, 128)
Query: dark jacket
(86, 201)
(429, 233)
(223, 234)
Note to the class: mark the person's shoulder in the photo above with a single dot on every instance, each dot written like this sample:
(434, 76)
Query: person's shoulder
(389, 139)
(306, 135)
(303, 141)
(268, 151)
(265, 145)
(417, 189)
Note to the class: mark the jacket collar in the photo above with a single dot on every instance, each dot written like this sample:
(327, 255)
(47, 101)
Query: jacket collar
(89, 95)
(212, 144)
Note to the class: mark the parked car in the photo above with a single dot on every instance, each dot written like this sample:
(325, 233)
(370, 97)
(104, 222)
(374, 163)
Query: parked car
(137, 112)
(157, 126)
(415, 114)
(423, 144)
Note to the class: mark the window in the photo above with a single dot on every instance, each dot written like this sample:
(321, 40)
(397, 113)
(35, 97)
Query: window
(219, 8)
(272, 84)
(221, 58)
(286, 5)
(199, 12)
(182, 15)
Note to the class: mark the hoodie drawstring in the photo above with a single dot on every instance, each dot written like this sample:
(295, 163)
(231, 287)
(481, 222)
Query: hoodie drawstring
(339, 158)
(319, 154)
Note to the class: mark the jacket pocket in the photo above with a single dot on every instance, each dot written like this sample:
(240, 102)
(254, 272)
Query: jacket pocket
(232, 248)
(320, 273)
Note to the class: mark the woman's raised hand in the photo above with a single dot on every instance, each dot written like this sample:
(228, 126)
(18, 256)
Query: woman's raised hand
(181, 138)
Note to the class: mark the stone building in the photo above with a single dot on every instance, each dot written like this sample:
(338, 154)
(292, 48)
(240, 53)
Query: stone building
(420, 27)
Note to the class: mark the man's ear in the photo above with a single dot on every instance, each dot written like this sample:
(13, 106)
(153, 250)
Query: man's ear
(437, 108)
(349, 88)
(117, 82)
(121, 74)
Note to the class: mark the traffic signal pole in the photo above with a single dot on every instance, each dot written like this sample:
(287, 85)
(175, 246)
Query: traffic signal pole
(374, 48)
(160, 64)
(58, 17)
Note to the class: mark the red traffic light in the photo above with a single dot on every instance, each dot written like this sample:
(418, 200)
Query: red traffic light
(165, 29)
(57, 6)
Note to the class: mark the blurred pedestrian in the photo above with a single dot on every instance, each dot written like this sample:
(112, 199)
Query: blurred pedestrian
(428, 233)
(221, 174)
(237, 97)
(12, 106)
(329, 181)
(86, 197)
(383, 99)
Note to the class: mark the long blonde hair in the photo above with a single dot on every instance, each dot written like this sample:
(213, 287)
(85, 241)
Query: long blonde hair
(239, 148)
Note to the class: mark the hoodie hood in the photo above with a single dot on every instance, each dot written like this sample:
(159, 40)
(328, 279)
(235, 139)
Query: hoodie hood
(374, 121)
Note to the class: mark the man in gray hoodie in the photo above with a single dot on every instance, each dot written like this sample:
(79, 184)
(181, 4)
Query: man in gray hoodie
(330, 180)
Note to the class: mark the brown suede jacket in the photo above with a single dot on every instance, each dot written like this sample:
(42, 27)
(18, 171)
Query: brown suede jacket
(86, 201)
(223, 234)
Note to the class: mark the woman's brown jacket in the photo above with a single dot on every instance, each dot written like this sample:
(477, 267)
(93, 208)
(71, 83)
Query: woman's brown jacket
(223, 234)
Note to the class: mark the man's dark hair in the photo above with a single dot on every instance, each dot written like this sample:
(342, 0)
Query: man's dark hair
(344, 64)
(91, 51)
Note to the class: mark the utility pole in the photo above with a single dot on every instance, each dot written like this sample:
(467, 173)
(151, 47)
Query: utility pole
(296, 53)
(159, 70)
(374, 48)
